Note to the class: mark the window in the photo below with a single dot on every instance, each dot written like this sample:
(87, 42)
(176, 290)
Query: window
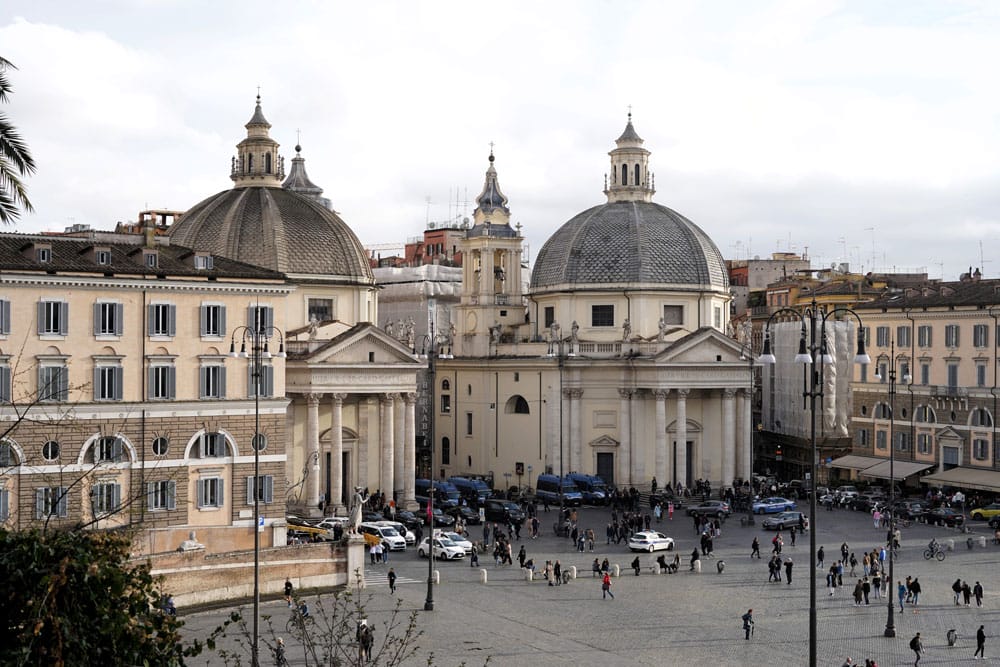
(44, 255)
(923, 443)
(904, 372)
(882, 411)
(149, 258)
(212, 381)
(161, 495)
(204, 262)
(51, 501)
(902, 441)
(266, 381)
(980, 375)
(53, 383)
(981, 417)
(924, 338)
(161, 445)
(5, 385)
(673, 315)
(717, 317)
(260, 318)
(210, 492)
(6, 454)
(213, 320)
(951, 334)
(883, 375)
(320, 309)
(468, 423)
(162, 319)
(550, 316)
(108, 449)
(264, 488)
(4, 317)
(952, 376)
(258, 442)
(880, 439)
(445, 385)
(445, 451)
(980, 336)
(602, 316)
(517, 405)
(903, 336)
(162, 383)
(53, 318)
(103, 257)
(980, 449)
(212, 445)
(50, 450)
(868, 336)
(106, 497)
(925, 374)
(882, 336)
(517, 376)
(624, 174)
(108, 381)
(109, 319)
(863, 437)
(445, 404)
(267, 163)
(4, 505)
(925, 414)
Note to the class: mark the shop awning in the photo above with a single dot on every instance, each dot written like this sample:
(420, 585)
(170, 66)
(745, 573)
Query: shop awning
(901, 469)
(966, 478)
(854, 462)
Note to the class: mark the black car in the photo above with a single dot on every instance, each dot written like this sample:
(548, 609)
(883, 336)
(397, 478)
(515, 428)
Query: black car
(911, 510)
(468, 515)
(441, 520)
(502, 511)
(664, 498)
(409, 519)
(945, 516)
(716, 508)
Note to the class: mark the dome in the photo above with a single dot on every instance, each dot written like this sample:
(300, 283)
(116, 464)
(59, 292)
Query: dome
(275, 229)
(629, 243)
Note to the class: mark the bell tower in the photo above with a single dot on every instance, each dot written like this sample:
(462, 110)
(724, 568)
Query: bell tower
(630, 178)
(257, 161)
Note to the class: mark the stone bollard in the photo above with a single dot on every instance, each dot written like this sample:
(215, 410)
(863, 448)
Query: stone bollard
(572, 571)
(697, 566)
(949, 545)
(616, 571)
(483, 576)
(528, 574)
(437, 577)
(982, 541)
(970, 543)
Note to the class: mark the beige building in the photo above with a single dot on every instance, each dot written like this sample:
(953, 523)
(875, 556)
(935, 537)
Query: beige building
(944, 340)
(615, 362)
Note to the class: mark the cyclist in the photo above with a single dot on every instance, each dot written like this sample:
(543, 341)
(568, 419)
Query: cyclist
(933, 545)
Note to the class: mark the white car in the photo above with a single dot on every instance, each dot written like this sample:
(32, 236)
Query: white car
(444, 549)
(650, 540)
(408, 535)
(457, 539)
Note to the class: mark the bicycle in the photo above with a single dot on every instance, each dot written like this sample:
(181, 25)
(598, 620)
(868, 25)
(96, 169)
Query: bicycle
(934, 552)
(296, 624)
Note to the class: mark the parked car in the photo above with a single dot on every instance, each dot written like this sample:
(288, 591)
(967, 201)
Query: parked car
(986, 511)
(716, 508)
(845, 493)
(773, 505)
(912, 510)
(650, 540)
(866, 502)
(440, 519)
(784, 520)
(409, 519)
(945, 516)
(444, 549)
(468, 515)
(502, 511)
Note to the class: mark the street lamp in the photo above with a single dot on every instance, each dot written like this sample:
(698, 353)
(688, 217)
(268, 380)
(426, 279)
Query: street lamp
(890, 626)
(812, 353)
(259, 337)
(747, 355)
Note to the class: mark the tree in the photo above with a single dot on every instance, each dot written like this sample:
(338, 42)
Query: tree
(72, 598)
(15, 159)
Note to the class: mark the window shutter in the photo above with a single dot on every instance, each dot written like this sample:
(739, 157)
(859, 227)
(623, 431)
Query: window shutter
(268, 318)
(222, 492)
(150, 494)
(116, 450)
(4, 504)
(171, 382)
(171, 495)
(203, 312)
(39, 503)
(150, 319)
(41, 317)
(222, 381)
(62, 382)
(119, 383)
(43, 393)
(5, 388)
(119, 319)
(201, 492)
(63, 318)
(201, 445)
(250, 490)
(116, 497)
(151, 382)
(171, 320)
(98, 386)
(61, 506)
(4, 317)
(268, 389)
(222, 320)
(250, 317)
(202, 381)
(97, 319)
(268, 488)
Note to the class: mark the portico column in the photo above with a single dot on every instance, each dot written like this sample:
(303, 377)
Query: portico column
(576, 447)
(410, 452)
(312, 449)
(399, 445)
(387, 404)
(681, 436)
(336, 499)
(660, 396)
(728, 437)
(563, 464)
(745, 437)
(625, 436)
(554, 415)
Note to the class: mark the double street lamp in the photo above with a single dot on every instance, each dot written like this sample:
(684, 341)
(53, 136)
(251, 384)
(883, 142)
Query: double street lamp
(814, 357)
(890, 626)
(259, 337)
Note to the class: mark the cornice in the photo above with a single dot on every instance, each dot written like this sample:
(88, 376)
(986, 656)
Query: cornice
(134, 284)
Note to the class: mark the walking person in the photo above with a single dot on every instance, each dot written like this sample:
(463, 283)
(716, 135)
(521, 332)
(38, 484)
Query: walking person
(819, 558)
(791, 534)
(918, 648)
(788, 570)
(957, 590)
(977, 592)
(288, 592)
(915, 589)
(606, 587)
(392, 580)
(755, 547)
(980, 644)
(901, 592)
(557, 573)
(748, 623)
(966, 593)
(474, 556)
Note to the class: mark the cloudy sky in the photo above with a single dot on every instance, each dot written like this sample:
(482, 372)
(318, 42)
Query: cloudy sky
(854, 131)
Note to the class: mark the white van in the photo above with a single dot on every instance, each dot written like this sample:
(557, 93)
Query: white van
(387, 534)
(408, 535)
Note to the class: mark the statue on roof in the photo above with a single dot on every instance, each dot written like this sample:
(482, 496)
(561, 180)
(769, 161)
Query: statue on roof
(626, 330)
(574, 333)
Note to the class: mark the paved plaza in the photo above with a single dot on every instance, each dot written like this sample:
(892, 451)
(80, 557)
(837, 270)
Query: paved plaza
(685, 618)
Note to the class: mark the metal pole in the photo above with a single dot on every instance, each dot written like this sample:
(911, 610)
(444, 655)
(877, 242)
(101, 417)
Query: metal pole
(812, 392)
(256, 350)
(750, 519)
(890, 626)
(431, 357)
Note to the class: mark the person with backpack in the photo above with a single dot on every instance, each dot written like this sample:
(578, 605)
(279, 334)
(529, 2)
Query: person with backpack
(917, 647)
(606, 587)
(747, 623)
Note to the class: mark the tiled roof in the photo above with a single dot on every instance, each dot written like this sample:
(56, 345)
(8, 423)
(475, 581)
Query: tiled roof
(627, 243)
(970, 293)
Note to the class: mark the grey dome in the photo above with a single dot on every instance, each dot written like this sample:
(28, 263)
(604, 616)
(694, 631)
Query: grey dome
(276, 229)
(628, 243)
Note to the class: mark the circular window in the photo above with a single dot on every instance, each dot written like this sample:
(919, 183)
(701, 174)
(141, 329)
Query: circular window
(50, 450)
(864, 410)
(259, 442)
(160, 446)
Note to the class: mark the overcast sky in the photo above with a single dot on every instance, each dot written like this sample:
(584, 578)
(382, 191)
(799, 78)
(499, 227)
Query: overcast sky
(856, 131)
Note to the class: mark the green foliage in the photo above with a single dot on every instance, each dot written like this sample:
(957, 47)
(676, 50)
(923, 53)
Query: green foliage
(15, 159)
(72, 598)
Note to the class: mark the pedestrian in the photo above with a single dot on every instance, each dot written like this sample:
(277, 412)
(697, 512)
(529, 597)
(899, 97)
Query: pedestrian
(557, 572)
(866, 589)
(486, 534)
(694, 557)
(918, 648)
(605, 566)
(876, 584)
(840, 572)
(791, 534)
(606, 587)
(901, 592)
(755, 548)
(367, 641)
(977, 592)
(595, 569)
(521, 556)
(844, 551)
(915, 589)
(819, 558)
(858, 594)
(957, 590)
(748, 624)
(392, 580)
(853, 562)
(474, 556)
(289, 590)
(636, 566)
(279, 654)
(966, 593)
(980, 644)
(788, 570)
(670, 511)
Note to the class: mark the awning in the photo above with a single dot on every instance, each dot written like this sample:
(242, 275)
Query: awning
(854, 462)
(966, 478)
(901, 469)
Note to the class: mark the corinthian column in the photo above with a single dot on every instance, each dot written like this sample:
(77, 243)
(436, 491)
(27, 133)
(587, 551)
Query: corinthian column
(410, 452)
(387, 403)
(312, 449)
(746, 435)
(625, 436)
(576, 446)
(728, 437)
(399, 440)
(681, 436)
(660, 396)
(337, 454)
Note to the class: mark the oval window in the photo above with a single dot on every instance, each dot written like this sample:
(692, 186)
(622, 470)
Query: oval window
(160, 446)
(50, 450)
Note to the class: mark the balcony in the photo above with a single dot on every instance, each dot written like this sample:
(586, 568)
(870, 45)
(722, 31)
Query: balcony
(945, 390)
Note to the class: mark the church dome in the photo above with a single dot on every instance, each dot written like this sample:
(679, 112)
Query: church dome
(261, 223)
(629, 241)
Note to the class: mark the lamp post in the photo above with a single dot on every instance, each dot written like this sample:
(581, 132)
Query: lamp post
(747, 354)
(814, 356)
(259, 337)
(890, 626)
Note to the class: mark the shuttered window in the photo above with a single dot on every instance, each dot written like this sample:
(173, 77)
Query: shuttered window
(264, 486)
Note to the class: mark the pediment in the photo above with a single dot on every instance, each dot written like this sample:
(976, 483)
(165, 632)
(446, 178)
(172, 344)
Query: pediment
(604, 441)
(363, 344)
(948, 433)
(706, 345)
